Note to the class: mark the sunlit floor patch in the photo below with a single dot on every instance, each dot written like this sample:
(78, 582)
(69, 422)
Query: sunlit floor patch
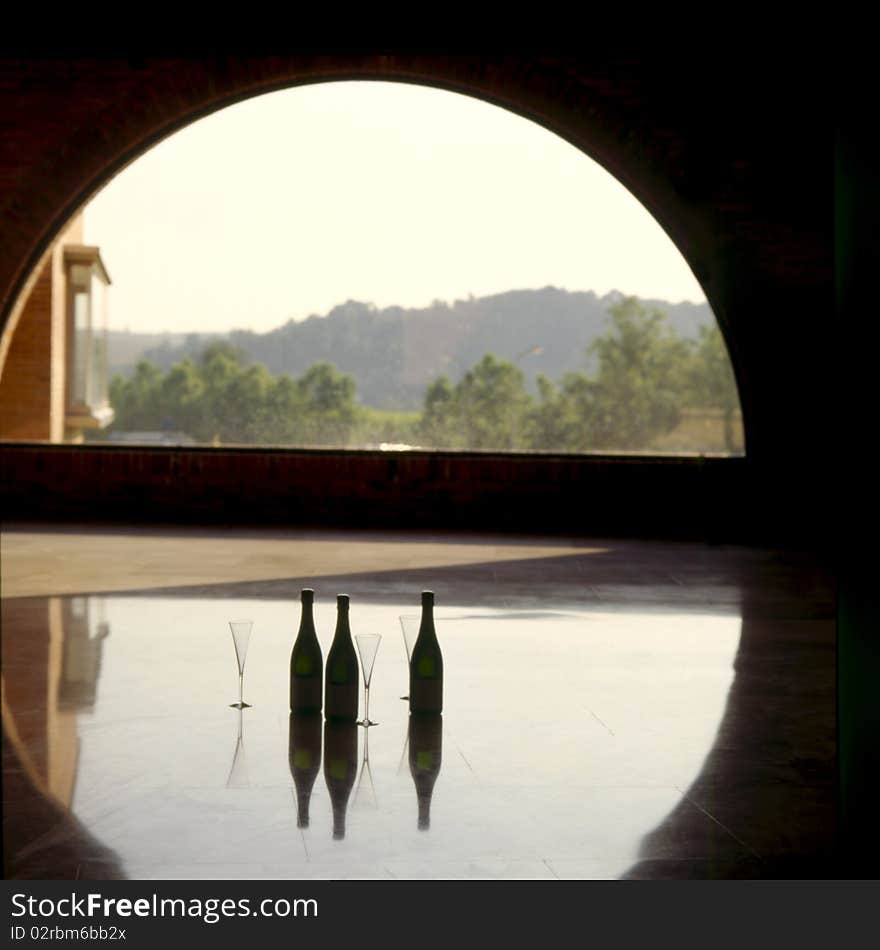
(567, 735)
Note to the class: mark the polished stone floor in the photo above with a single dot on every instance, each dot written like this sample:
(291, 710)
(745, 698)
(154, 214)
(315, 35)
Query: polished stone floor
(612, 709)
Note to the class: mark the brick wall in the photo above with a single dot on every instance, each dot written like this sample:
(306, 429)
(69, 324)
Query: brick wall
(26, 384)
(637, 495)
(33, 385)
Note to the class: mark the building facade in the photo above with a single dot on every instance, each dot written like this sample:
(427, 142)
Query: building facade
(54, 383)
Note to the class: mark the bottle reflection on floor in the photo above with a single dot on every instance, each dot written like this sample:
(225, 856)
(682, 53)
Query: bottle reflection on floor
(340, 768)
(304, 757)
(425, 754)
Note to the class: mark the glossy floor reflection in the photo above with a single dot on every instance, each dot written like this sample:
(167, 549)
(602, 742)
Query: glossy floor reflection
(681, 726)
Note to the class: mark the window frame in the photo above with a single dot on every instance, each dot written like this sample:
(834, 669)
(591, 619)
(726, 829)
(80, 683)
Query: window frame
(91, 412)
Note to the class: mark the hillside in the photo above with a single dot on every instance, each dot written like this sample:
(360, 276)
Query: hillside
(394, 353)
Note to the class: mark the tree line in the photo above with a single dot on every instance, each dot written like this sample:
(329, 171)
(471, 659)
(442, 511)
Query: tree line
(646, 376)
(385, 348)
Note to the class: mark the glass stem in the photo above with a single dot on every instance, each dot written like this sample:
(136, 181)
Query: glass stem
(367, 705)
(403, 754)
(241, 687)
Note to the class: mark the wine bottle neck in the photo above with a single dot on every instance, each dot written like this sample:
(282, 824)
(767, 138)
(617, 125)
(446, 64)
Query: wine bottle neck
(427, 622)
(307, 618)
(342, 628)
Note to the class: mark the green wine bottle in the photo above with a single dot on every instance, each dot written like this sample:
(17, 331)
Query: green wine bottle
(426, 664)
(304, 758)
(306, 662)
(342, 676)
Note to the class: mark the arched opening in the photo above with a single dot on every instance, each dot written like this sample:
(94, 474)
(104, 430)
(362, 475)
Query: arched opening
(567, 346)
(694, 156)
(705, 211)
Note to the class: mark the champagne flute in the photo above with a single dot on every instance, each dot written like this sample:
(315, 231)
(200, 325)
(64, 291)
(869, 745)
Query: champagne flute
(368, 646)
(241, 635)
(409, 623)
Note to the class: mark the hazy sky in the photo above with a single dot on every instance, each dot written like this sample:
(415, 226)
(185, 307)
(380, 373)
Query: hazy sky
(293, 202)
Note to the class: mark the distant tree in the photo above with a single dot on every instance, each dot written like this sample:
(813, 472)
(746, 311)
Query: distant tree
(237, 407)
(280, 420)
(328, 403)
(491, 401)
(561, 419)
(137, 401)
(326, 389)
(635, 394)
(438, 423)
(542, 427)
(180, 399)
(711, 383)
(219, 366)
(224, 398)
(485, 410)
(641, 378)
(218, 361)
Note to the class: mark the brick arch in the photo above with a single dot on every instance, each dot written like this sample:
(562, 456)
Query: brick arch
(695, 139)
(116, 132)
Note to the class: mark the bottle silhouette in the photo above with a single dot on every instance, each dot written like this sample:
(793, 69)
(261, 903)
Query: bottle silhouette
(306, 662)
(425, 753)
(342, 676)
(304, 757)
(340, 768)
(426, 664)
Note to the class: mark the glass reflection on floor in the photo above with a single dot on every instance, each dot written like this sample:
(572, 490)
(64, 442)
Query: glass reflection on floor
(567, 735)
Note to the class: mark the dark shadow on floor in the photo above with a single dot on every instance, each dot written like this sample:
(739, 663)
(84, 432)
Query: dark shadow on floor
(770, 780)
(746, 581)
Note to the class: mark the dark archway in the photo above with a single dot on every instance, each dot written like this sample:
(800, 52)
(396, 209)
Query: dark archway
(528, 99)
(707, 156)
